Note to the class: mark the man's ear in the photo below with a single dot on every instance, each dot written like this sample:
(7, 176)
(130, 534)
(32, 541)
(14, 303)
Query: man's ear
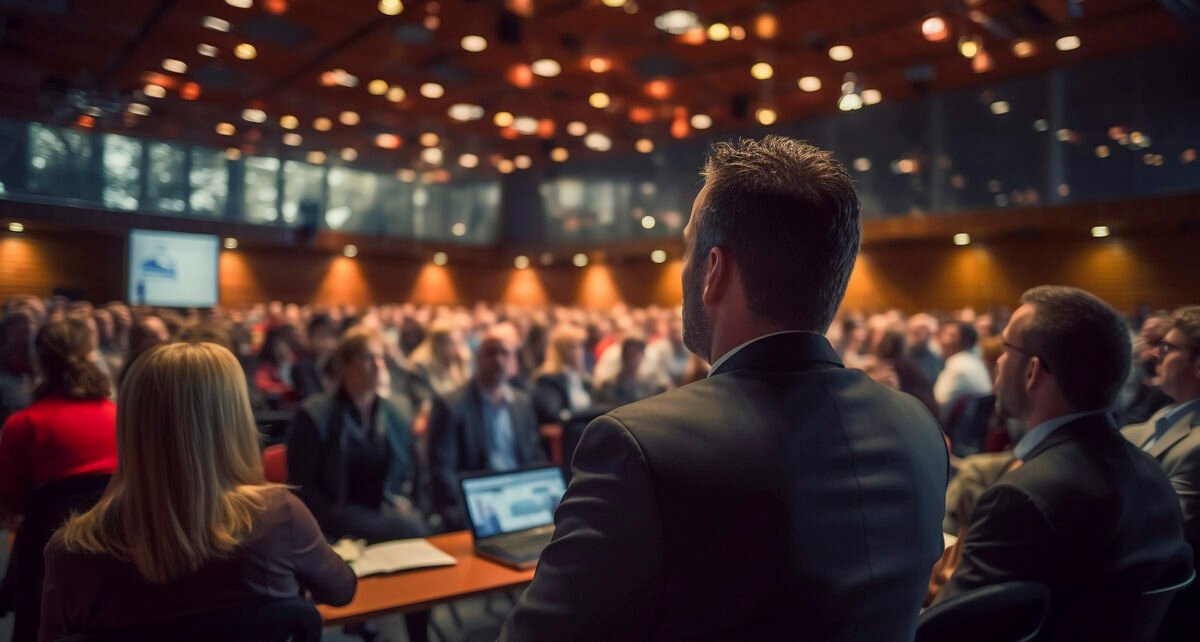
(716, 278)
(1035, 373)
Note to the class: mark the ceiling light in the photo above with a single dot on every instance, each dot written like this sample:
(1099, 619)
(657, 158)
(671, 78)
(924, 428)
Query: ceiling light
(254, 115)
(999, 107)
(432, 155)
(432, 22)
(292, 139)
(464, 112)
(658, 256)
(440, 258)
(1067, 43)
(502, 119)
(559, 154)
(474, 44)
(762, 71)
(459, 229)
(233, 153)
(206, 50)
(154, 91)
(429, 139)
(546, 67)
(350, 251)
(138, 109)
(962, 238)
(1041, 125)
(520, 75)
(396, 94)
(1023, 48)
(189, 91)
(226, 129)
(599, 65)
(648, 222)
(871, 96)
(1188, 156)
(599, 100)
(809, 83)
(850, 102)
(230, 243)
(245, 51)
(615, 4)
(522, 161)
(526, 125)
(289, 122)
(862, 164)
(240, 4)
(580, 259)
(597, 142)
(175, 66)
(505, 166)
(934, 29)
(387, 140)
(718, 31)
(841, 53)
(982, 62)
(576, 128)
(406, 175)
(677, 22)
(522, 262)
(16, 227)
(432, 90)
(322, 124)
(702, 121)
(468, 160)
(1100, 231)
(1102, 151)
(766, 26)
(348, 154)
(377, 87)
(390, 7)
(766, 116)
(968, 46)
(644, 145)
(316, 157)
(349, 118)
(216, 24)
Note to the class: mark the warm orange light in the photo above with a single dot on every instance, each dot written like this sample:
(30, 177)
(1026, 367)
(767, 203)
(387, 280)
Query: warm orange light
(343, 283)
(641, 115)
(277, 7)
(934, 29)
(766, 26)
(679, 128)
(510, 133)
(434, 286)
(545, 128)
(694, 36)
(598, 290)
(86, 121)
(599, 65)
(189, 91)
(387, 141)
(658, 89)
(525, 289)
(520, 76)
(982, 62)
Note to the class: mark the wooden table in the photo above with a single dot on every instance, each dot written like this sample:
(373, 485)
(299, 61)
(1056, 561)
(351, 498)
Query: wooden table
(406, 591)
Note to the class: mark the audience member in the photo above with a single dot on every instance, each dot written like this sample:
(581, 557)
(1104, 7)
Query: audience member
(145, 333)
(1083, 512)
(909, 374)
(16, 366)
(273, 371)
(485, 425)
(560, 386)
(188, 523)
(629, 385)
(921, 329)
(783, 497)
(963, 375)
(666, 357)
(311, 373)
(69, 431)
(1147, 397)
(438, 363)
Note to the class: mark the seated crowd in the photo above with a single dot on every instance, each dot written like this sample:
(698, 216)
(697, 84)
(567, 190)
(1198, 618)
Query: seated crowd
(382, 408)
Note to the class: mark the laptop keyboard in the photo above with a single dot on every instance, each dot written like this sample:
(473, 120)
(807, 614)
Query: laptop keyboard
(520, 548)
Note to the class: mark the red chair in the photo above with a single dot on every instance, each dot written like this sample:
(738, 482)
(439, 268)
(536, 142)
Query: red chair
(275, 464)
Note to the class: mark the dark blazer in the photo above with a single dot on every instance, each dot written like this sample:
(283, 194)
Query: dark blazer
(1178, 452)
(316, 454)
(783, 498)
(458, 443)
(1086, 511)
(551, 398)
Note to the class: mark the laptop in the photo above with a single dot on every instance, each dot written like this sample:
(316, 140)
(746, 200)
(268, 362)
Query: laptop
(512, 513)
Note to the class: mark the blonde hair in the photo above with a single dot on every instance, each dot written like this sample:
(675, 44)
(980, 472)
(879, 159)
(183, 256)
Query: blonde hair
(562, 338)
(189, 480)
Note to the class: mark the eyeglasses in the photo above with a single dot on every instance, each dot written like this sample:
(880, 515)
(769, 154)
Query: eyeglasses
(1045, 366)
(1165, 347)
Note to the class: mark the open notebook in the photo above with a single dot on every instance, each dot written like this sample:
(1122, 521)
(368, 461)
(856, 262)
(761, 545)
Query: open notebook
(389, 557)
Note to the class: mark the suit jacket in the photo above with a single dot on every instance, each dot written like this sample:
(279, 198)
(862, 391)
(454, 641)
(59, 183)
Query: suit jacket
(1086, 512)
(552, 398)
(1178, 452)
(784, 497)
(458, 443)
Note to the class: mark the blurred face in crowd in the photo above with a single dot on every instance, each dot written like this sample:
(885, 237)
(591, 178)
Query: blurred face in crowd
(571, 352)
(1178, 368)
(446, 348)
(950, 339)
(631, 359)
(697, 331)
(361, 374)
(104, 325)
(918, 334)
(323, 340)
(1151, 335)
(496, 362)
(1012, 396)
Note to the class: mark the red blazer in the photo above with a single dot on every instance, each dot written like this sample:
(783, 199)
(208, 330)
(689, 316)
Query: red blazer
(55, 438)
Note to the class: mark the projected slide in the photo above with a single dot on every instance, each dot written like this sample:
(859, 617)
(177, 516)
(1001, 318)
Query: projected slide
(171, 269)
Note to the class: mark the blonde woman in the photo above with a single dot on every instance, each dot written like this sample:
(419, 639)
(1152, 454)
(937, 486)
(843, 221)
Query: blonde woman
(439, 362)
(560, 387)
(188, 523)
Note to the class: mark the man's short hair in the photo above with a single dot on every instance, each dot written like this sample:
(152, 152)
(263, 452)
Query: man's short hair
(1187, 321)
(788, 214)
(1083, 341)
(967, 336)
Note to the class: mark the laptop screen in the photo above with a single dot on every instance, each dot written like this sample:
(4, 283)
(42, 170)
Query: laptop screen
(509, 502)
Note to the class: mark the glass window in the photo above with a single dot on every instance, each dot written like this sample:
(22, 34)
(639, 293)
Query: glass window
(122, 171)
(209, 181)
(262, 190)
(59, 162)
(12, 160)
(352, 201)
(166, 182)
(303, 189)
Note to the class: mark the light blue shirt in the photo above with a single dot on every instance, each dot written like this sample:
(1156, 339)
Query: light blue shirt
(498, 423)
(1043, 430)
(1168, 419)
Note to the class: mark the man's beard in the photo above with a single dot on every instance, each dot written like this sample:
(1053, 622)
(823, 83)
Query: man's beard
(697, 333)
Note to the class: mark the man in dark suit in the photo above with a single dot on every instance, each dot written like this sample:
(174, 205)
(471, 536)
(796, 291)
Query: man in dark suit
(485, 425)
(1085, 510)
(783, 497)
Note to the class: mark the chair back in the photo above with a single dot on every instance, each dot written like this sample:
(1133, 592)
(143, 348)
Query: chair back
(275, 465)
(46, 509)
(1118, 615)
(1006, 612)
(294, 619)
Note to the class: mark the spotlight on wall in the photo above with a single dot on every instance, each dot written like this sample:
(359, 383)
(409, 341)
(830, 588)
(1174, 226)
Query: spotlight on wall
(16, 227)
(580, 260)
(350, 251)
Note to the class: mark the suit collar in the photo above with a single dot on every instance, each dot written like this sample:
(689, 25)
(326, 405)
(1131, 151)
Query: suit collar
(1088, 424)
(779, 352)
(1182, 427)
